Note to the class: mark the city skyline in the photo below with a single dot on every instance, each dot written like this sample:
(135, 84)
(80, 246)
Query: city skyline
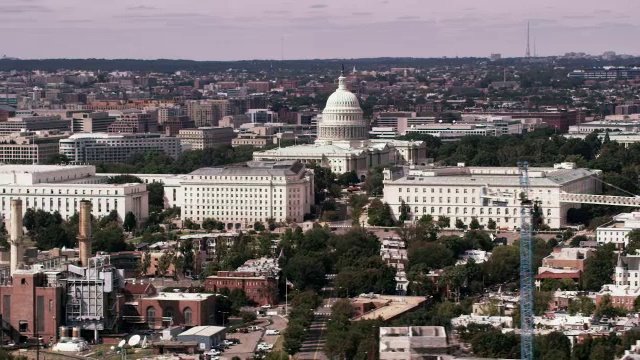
(250, 29)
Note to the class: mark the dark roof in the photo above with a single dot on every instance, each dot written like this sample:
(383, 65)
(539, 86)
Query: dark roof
(564, 275)
(136, 289)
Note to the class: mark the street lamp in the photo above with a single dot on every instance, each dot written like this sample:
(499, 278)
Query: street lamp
(223, 313)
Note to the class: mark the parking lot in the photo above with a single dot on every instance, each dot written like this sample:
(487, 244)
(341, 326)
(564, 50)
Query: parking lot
(249, 341)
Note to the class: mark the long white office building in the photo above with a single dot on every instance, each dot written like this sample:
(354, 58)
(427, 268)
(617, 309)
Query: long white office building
(485, 192)
(62, 188)
(109, 148)
(239, 196)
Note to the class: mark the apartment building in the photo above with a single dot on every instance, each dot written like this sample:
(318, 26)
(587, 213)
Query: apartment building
(206, 137)
(463, 193)
(107, 147)
(208, 112)
(132, 121)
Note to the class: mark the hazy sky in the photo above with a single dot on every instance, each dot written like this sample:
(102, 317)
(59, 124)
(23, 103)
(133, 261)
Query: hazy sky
(255, 29)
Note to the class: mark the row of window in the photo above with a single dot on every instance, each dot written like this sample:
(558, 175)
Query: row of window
(456, 210)
(168, 312)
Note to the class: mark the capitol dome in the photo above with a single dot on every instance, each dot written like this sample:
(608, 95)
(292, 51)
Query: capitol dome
(342, 117)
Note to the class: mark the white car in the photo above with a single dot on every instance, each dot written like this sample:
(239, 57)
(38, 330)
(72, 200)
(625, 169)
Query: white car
(264, 346)
(228, 343)
(272, 332)
(213, 352)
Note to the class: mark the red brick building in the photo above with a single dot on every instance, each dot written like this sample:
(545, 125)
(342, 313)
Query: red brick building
(34, 299)
(260, 288)
(166, 309)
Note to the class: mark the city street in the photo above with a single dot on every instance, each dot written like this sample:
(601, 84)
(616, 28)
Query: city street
(314, 345)
(249, 341)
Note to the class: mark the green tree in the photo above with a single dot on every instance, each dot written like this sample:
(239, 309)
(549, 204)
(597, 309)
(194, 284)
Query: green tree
(404, 212)
(554, 345)
(460, 224)
(188, 256)
(109, 239)
(258, 226)
(491, 224)
(599, 268)
(474, 225)
(606, 308)
(582, 305)
(380, 214)
(444, 222)
(130, 222)
(633, 239)
(164, 263)
(145, 263)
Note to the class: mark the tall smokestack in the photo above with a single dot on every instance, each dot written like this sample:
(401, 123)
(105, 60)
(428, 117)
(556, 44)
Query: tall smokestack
(16, 234)
(84, 234)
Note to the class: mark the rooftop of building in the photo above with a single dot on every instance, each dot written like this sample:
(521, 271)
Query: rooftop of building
(115, 136)
(203, 331)
(497, 176)
(31, 169)
(180, 296)
(255, 168)
(392, 307)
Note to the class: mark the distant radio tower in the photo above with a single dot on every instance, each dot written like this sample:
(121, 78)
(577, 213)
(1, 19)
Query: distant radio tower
(528, 52)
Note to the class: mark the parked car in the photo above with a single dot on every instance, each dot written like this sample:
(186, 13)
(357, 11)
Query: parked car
(272, 332)
(228, 342)
(234, 341)
(254, 328)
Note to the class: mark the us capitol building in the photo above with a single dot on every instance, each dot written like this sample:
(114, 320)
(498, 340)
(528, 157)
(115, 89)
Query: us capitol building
(343, 143)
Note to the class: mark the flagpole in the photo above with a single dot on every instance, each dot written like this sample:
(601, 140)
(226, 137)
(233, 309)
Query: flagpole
(286, 296)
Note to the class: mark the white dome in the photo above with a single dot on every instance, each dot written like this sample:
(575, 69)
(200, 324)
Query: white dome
(342, 98)
(342, 118)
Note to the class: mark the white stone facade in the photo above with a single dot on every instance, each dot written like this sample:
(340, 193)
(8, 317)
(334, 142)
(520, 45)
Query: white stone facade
(239, 196)
(617, 230)
(62, 188)
(485, 193)
(343, 143)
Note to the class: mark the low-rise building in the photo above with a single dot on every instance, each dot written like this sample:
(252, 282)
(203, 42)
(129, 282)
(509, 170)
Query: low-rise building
(110, 148)
(33, 304)
(262, 289)
(412, 342)
(206, 137)
(164, 309)
(206, 336)
(258, 278)
(616, 231)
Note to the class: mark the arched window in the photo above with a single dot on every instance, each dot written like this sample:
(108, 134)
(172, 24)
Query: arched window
(168, 312)
(188, 314)
(151, 315)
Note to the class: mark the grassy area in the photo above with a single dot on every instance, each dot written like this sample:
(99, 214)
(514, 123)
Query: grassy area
(279, 344)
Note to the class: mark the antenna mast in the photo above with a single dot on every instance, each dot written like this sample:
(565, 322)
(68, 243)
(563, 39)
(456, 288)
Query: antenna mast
(528, 52)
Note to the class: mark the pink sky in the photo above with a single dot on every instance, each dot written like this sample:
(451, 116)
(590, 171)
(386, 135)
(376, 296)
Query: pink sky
(255, 29)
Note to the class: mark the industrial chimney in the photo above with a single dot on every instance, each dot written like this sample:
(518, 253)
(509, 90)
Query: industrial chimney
(84, 234)
(16, 234)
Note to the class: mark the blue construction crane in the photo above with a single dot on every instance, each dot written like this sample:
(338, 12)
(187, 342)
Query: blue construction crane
(526, 258)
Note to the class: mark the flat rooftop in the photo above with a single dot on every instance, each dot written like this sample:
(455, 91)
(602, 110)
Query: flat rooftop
(203, 331)
(180, 296)
(393, 307)
(30, 169)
